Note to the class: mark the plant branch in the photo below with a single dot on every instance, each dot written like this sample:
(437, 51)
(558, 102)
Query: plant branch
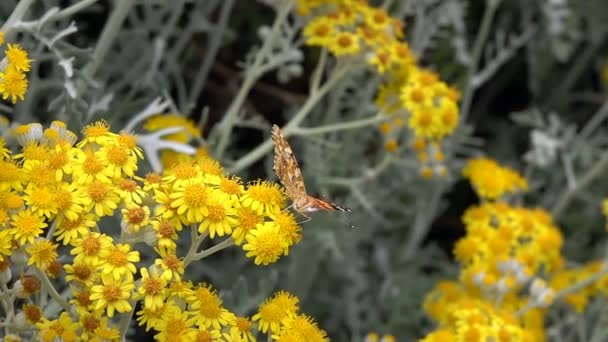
(480, 40)
(570, 193)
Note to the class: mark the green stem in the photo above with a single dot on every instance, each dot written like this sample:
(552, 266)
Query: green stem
(18, 14)
(71, 10)
(196, 241)
(110, 31)
(53, 292)
(566, 197)
(216, 248)
(423, 221)
(251, 77)
(339, 126)
(480, 40)
(311, 101)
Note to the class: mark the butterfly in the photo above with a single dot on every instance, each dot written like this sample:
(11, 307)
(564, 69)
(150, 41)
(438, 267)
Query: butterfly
(287, 169)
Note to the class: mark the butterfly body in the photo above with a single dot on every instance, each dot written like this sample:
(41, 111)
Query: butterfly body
(287, 169)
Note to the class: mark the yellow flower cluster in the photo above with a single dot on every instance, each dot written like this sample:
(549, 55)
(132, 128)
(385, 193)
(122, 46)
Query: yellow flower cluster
(492, 181)
(410, 94)
(279, 317)
(57, 190)
(13, 81)
(499, 295)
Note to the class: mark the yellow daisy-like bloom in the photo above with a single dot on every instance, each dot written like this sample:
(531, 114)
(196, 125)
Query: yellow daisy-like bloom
(17, 57)
(170, 263)
(190, 202)
(26, 226)
(130, 192)
(220, 216)
(80, 272)
(69, 200)
(288, 225)
(320, 31)
(13, 84)
(88, 248)
(304, 327)
(98, 133)
(70, 229)
(153, 288)
(33, 313)
(275, 310)
(41, 201)
(118, 160)
(101, 198)
(491, 180)
(241, 331)
(266, 243)
(425, 122)
(175, 326)
(42, 253)
(264, 197)
(5, 244)
(135, 217)
(208, 310)
(248, 219)
(62, 329)
(166, 233)
(10, 175)
(210, 166)
(345, 43)
(112, 295)
(232, 187)
(117, 262)
(88, 167)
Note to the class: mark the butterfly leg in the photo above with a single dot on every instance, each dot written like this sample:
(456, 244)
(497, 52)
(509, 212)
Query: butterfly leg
(308, 218)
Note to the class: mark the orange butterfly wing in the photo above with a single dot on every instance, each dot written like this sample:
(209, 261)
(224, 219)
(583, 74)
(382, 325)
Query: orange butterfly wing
(286, 167)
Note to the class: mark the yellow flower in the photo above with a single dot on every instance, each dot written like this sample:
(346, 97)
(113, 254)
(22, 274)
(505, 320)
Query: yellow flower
(42, 253)
(288, 225)
(248, 219)
(101, 198)
(303, 327)
(88, 167)
(265, 243)
(232, 187)
(33, 313)
(491, 180)
(264, 197)
(241, 331)
(17, 57)
(63, 329)
(175, 326)
(320, 31)
(97, 133)
(5, 245)
(41, 200)
(153, 288)
(119, 161)
(88, 248)
(13, 84)
(135, 217)
(170, 264)
(112, 295)
(80, 272)
(220, 216)
(117, 262)
(70, 229)
(275, 310)
(69, 200)
(208, 310)
(26, 226)
(344, 43)
(166, 233)
(130, 191)
(190, 201)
